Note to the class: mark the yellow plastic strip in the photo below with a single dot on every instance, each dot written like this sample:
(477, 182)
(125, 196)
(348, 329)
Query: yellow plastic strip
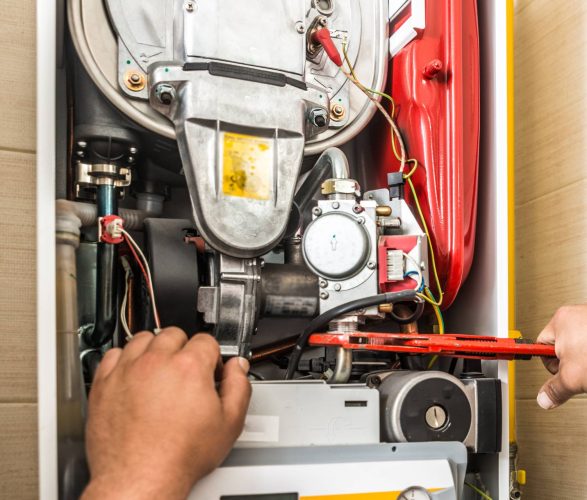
(511, 217)
(381, 495)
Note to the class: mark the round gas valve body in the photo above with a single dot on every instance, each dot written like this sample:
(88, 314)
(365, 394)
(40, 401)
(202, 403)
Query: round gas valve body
(336, 246)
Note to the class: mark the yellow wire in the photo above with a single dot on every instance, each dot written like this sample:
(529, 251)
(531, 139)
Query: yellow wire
(484, 495)
(356, 81)
(425, 226)
(428, 297)
(408, 176)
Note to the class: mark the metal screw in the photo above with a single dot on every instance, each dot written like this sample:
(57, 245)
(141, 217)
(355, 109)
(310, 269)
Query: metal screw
(262, 263)
(371, 265)
(323, 21)
(131, 159)
(133, 151)
(190, 6)
(165, 93)
(361, 220)
(300, 28)
(82, 144)
(317, 211)
(337, 287)
(80, 154)
(336, 205)
(358, 209)
(324, 295)
(323, 283)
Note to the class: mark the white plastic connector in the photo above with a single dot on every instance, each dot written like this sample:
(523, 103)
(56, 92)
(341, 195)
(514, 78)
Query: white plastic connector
(395, 265)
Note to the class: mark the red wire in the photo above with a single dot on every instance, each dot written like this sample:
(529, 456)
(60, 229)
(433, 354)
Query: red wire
(140, 263)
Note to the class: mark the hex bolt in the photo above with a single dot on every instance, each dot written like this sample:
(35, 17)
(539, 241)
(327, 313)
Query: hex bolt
(336, 205)
(337, 111)
(323, 283)
(371, 265)
(337, 287)
(317, 211)
(318, 117)
(324, 295)
(165, 93)
(300, 28)
(134, 80)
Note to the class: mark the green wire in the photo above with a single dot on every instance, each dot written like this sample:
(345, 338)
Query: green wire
(478, 491)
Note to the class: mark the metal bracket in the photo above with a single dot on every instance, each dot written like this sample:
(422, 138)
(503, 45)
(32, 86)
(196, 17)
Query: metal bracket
(409, 30)
(102, 174)
(232, 304)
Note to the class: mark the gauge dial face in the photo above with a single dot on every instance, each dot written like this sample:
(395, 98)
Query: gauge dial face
(415, 493)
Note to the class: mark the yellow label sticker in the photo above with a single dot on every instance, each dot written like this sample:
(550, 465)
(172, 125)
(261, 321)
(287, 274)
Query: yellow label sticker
(247, 166)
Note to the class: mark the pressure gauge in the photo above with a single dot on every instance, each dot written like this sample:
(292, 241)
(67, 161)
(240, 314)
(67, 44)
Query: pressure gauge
(415, 493)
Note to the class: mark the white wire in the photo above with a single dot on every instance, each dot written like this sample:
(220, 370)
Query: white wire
(123, 321)
(418, 270)
(148, 271)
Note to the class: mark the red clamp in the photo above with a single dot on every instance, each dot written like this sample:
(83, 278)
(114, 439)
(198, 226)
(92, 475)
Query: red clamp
(322, 36)
(110, 229)
(460, 346)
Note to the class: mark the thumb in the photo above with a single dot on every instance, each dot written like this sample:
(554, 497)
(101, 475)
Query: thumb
(235, 392)
(554, 393)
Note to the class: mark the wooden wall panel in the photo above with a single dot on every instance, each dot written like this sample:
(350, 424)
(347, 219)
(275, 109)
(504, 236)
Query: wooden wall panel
(17, 269)
(18, 393)
(553, 445)
(18, 456)
(17, 77)
(551, 227)
(551, 97)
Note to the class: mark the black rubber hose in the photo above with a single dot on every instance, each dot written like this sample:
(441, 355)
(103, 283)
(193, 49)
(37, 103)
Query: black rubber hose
(317, 323)
(106, 276)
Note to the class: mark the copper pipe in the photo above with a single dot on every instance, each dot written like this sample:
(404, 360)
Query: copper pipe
(275, 348)
(403, 311)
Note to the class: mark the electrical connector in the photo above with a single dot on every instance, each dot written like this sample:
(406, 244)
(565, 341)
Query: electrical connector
(110, 229)
(322, 37)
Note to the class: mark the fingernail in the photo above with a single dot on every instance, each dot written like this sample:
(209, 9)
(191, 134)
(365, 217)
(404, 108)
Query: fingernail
(544, 401)
(244, 364)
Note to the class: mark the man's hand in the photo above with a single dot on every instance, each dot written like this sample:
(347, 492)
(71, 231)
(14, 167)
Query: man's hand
(156, 421)
(567, 330)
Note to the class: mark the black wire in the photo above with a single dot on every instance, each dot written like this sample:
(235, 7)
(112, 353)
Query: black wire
(317, 323)
(453, 365)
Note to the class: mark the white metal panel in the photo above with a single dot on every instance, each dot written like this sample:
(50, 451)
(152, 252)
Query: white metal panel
(46, 315)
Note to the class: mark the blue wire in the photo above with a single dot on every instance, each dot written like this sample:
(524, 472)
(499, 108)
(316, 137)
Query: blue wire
(411, 273)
